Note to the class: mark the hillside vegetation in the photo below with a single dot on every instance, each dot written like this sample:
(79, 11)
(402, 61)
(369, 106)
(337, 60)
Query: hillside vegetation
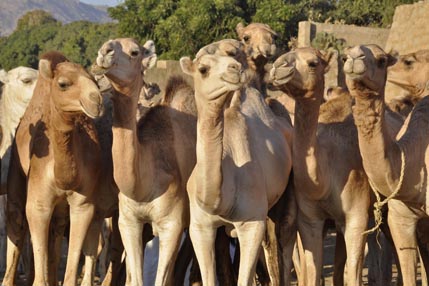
(65, 11)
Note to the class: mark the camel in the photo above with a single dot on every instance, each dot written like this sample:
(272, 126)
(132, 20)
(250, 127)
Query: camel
(221, 198)
(259, 45)
(396, 167)
(151, 160)
(18, 86)
(56, 143)
(17, 91)
(407, 80)
(329, 178)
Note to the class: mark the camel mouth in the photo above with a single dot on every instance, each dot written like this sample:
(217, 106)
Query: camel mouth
(401, 83)
(282, 75)
(97, 70)
(234, 78)
(92, 110)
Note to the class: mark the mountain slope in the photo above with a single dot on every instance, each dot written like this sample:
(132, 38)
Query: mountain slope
(65, 11)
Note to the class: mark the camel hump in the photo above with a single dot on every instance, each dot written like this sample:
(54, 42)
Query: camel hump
(174, 85)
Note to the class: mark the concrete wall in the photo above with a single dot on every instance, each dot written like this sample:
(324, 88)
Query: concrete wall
(410, 28)
(353, 35)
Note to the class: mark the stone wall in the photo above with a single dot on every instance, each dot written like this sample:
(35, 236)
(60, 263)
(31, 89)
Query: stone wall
(410, 28)
(354, 35)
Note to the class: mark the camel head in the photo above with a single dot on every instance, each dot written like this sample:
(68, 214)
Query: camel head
(227, 47)
(215, 77)
(411, 75)
(72, 90)
(124, 60)
(19, 83)
(259, 41)
(365, 68)
(300, 73)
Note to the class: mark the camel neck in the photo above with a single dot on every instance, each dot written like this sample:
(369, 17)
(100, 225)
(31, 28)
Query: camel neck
(125, 143)
(65, 151)
(381, 155)
(306, 150)
(210, 128)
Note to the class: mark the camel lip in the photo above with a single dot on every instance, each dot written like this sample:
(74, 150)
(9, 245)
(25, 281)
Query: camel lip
(286, 76)
(400, 83)
(91, 113)
(98, 70)
(354, 76)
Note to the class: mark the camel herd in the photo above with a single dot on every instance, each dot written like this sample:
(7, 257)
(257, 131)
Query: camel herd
(212, 162)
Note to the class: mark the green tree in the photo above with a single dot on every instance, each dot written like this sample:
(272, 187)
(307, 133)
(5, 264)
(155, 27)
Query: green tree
(34, 18)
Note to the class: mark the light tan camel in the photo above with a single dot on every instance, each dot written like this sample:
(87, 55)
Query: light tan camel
(151, 161)
(329, 178)
(396, 167)
(57, 145)
(17, 90)
(236, 137)
(407, 81)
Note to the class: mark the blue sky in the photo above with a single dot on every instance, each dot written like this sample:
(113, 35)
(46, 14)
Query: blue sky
(102, 2)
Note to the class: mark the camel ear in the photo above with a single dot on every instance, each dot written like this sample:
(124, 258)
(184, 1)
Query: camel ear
(149, 62)
(187, 65)
(45, 69)
(150, 46)
(239, 29)
(3, 76)
(391, 60)
(327, 56)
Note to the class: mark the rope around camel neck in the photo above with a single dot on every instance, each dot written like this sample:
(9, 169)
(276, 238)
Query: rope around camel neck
(378, 216)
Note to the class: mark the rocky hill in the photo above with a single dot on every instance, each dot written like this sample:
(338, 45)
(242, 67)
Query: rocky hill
(65, 11)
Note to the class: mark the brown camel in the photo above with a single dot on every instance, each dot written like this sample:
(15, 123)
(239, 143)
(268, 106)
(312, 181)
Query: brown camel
(329, 178)
(56, 144)
(222, 198)
(396, 168)
(150, 159)
(259, 45)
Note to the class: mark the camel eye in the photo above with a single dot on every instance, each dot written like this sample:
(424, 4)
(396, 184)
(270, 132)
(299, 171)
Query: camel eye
(26, 80)
(203, 70)
(408, 62)
(231, 53)
(246, 38)
(313, 64)
(63, 83)
(135, 53)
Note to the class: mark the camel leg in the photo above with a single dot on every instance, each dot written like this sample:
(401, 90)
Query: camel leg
(116, 250)
(57, 228)
(16, 222)
(131, 232)
(183, 260)
(203, 240)
(402, 223)
(90, 247)
(224, 269)
(81, 216)
(39, 215)
(250, 236)
(355, 246)
(340, 260)
(170, 236)
(272, 255)
(311, 234)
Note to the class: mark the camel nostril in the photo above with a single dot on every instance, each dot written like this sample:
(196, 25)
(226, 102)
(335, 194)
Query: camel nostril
(234, 66)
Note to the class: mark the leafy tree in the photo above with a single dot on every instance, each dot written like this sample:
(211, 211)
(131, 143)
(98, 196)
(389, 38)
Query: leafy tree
(35, 18)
